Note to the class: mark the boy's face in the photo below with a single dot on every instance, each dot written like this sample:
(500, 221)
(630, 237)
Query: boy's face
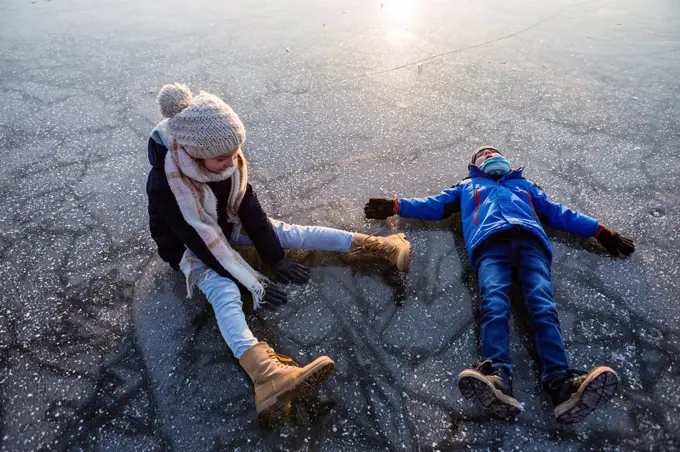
(222, 163)
(485, 154)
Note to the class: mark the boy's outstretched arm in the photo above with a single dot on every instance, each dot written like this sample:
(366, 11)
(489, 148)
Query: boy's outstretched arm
(560, 217)
(431, 208)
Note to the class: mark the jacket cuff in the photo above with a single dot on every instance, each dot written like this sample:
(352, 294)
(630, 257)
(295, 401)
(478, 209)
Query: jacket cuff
(600, 229)
(396, 206)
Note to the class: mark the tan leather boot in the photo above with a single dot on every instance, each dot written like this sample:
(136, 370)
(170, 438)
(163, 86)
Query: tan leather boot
(278, 380)
(395, 248)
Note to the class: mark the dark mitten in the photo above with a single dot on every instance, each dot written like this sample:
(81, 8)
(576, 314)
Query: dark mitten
(274, 296)
(615, 243)
(379, 208)
(289, 271)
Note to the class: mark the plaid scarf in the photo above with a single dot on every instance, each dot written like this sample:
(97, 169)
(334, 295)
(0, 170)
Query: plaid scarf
(189, 183)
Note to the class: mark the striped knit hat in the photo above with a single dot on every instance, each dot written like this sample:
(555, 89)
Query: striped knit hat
(480, 149)
(203, 125)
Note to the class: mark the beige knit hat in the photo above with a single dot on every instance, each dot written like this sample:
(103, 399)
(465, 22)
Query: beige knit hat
(203, 125)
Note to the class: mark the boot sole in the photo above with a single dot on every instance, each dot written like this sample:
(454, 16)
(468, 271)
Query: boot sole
(477, 389)
(404, 258)
(596, 390)
(274, 407)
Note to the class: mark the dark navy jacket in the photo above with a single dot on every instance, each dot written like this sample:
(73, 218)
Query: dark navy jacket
(174, 235)
(491, 206)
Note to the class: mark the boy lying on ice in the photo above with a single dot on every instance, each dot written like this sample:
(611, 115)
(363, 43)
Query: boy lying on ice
(500, 215)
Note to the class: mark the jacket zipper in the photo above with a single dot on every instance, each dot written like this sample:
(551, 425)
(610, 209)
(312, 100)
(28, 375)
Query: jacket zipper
(477, 203)
(532, 204)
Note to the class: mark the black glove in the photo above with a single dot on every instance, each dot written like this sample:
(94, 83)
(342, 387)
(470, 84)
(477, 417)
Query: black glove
(615, 243)
(379, 208)
(289, 271)
(274, 296)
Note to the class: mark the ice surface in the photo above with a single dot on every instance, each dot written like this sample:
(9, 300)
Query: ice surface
(100, 350)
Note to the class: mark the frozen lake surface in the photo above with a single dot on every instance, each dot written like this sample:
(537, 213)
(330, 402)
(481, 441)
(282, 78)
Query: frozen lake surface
(100, 349)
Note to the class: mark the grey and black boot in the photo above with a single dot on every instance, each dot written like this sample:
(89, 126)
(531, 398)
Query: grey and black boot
(491, 387)
(579, 393)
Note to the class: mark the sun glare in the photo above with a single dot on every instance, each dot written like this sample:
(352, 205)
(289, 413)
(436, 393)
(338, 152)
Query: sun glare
(400, 14)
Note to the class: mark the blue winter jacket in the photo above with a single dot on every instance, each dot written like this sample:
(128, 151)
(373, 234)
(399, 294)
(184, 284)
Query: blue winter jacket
(490, 206)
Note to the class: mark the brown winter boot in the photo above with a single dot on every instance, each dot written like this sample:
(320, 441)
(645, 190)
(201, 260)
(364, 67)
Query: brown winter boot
(395, 248)
(278, 380)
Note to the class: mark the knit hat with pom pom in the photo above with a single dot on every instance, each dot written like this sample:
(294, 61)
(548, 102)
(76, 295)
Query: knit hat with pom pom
(203, 125)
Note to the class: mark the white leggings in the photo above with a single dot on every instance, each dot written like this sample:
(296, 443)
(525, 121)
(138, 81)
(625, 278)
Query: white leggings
(225, 297)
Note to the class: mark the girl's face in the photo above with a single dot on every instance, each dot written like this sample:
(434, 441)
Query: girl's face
(222, 163)
(485, 154)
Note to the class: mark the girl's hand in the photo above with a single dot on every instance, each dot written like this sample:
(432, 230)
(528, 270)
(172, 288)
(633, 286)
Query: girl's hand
(274, 296)
(288, 271)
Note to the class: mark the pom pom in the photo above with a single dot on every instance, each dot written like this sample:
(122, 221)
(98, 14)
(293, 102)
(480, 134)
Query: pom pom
(173, 98)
